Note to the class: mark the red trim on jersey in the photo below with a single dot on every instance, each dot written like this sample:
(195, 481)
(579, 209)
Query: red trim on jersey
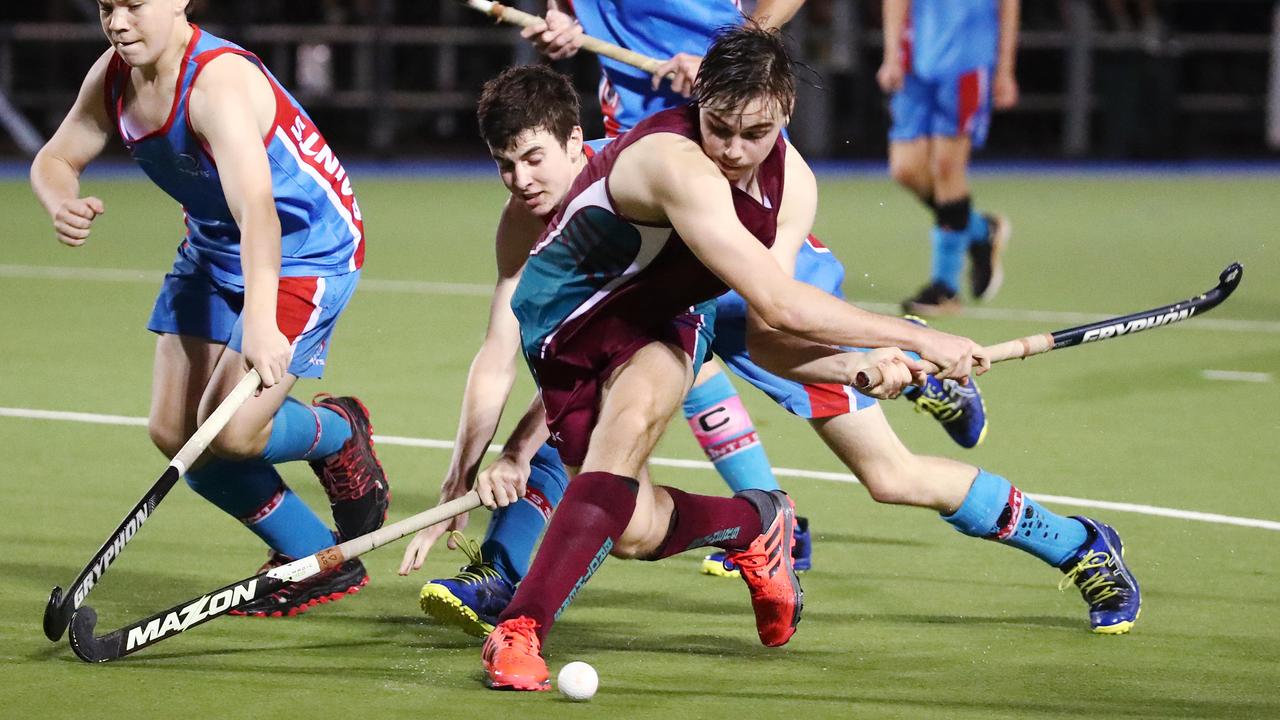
(815, 243)
(177, 95)
(827, 400)
(969, 98)
(316, 153)
(202, 61)
(295, 303)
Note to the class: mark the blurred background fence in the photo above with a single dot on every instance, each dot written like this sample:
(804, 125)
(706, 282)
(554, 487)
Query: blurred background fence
(1109, 79)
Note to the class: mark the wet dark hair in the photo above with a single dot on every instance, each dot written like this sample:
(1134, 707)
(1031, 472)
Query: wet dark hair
(527, 97)
(744, 63)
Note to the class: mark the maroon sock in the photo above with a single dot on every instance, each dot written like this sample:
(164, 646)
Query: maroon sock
(702, 520)
(591, 517)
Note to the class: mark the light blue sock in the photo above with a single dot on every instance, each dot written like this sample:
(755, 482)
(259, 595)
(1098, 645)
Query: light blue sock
(996, 510)
(304, 432)
(949, 248)
(513, 530)
(724, 430)
(977, 227)
(253, 493)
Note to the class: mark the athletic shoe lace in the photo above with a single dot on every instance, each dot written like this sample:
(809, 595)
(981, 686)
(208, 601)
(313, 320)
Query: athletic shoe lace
(476, 570)
(1094, 577)
(945, 407)
(519, 634)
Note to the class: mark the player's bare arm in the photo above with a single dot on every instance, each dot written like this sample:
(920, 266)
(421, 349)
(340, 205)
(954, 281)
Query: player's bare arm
(231, 108)
(682, 68)
(890, 75)
(665, 178)
(773, 14)
(55, 172)
(559, 35)
(507, 477)
(1004, 88)
(489, 382)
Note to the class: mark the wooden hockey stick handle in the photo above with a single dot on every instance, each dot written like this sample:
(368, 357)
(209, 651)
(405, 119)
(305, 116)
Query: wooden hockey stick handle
(513, 16)
(1009, 350)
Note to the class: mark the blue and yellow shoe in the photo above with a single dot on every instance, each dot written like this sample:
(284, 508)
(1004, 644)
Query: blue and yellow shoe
(718, 564)
(470, 600)
(957, 407)
(1098, 569)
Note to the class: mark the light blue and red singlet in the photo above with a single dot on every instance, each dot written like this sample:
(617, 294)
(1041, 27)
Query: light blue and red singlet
(949, 50)
(322, 231)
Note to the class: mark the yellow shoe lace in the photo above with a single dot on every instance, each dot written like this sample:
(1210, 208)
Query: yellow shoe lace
(1097, 588)
(476, 570)
(944, 409)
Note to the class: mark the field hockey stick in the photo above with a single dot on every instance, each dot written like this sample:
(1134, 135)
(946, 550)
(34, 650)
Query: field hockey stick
(58, 612)
(180, 618)
(510, 15)
(1093, 332)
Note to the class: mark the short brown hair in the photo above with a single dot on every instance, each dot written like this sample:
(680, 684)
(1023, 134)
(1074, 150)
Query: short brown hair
(527, 97)
(744, 63)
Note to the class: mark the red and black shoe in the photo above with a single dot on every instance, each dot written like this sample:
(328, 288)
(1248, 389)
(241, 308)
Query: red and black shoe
(299, 597)
(769, 570)
(358, 491)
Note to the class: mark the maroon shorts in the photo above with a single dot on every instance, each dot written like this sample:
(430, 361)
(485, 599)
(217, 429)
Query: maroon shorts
(572, 374)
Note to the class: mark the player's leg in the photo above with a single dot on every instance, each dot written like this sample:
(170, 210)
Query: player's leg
(334, 435)
(194, 318)
(959, 127)
(981, 504)
(912, 110)
(472, 599)
(611, 507)
(725, 431)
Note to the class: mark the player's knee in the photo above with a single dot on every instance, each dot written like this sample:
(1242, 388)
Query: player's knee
(167, 436)
(236, 443)
(948, 169)
(908, 174)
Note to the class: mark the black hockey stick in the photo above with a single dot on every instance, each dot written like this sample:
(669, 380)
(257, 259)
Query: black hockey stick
(180, 618)
(57, 613)
(1101, 330)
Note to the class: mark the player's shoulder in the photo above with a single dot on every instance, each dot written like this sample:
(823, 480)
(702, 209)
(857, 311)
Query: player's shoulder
(227, 68)
(797, 169)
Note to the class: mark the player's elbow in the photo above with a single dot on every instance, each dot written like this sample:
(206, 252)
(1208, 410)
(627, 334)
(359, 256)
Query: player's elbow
(784, 314)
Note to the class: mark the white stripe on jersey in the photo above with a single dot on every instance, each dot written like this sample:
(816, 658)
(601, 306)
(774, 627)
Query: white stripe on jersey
(329, 191)
(652, 240)
(317, 309)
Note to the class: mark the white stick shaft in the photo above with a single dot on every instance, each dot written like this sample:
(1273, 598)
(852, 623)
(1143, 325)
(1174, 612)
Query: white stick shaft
(412, 524)
(205, 434)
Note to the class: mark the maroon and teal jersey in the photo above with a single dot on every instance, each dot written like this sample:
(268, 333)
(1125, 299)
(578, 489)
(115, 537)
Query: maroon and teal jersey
(945, 38)
(597, 273)
(321, 229)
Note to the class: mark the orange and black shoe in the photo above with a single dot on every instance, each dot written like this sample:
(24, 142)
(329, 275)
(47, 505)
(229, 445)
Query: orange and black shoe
(297, 598)
(512, 657)
(358, 491)
(768, 568)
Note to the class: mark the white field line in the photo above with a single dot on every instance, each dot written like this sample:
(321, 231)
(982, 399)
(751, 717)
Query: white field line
(32, 414)
(1236, 376)
(419, 287)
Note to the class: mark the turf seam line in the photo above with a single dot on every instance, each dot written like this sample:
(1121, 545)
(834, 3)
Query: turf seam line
(1140, 509)
(423, 287)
